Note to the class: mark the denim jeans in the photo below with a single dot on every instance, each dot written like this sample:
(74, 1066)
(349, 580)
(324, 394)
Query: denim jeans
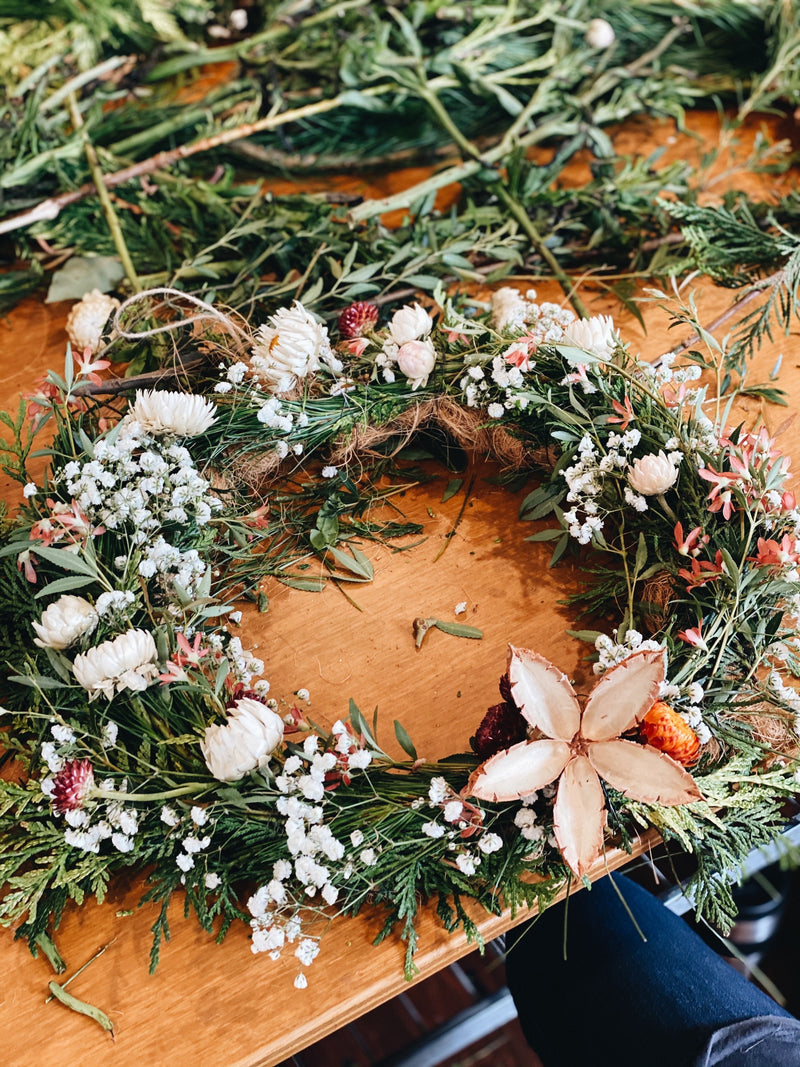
(620, 1001)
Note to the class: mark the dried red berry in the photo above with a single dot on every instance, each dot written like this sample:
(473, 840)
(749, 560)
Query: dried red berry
(356, 319)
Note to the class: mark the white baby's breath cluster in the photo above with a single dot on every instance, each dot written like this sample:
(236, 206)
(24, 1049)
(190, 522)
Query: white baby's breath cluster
(453, 817)
(320, 861)
(586, 480)
(528, 822)
(614, 649)
(139, 483)
(529, 324)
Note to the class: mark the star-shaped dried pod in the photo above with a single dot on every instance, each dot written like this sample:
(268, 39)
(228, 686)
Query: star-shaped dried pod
(579, 748)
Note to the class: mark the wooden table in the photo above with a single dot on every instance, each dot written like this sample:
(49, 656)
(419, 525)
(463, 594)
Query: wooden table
(210, 1005)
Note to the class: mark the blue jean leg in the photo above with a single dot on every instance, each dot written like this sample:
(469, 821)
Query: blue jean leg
(619, 1000)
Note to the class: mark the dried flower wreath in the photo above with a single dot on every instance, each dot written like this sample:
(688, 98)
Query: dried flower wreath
(149, 740)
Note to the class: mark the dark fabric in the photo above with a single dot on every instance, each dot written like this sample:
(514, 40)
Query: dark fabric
(618, 1000)
(767, 1041)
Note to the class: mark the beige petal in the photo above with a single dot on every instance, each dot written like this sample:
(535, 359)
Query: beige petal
(518, 771)
(543, 694)
(643, 773)
(579, 815)
(623, 696)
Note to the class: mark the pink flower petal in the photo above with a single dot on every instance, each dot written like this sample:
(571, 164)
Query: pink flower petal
(579, 815)
(643, 773)
(623, 696)
(518, 771)
(543, 694)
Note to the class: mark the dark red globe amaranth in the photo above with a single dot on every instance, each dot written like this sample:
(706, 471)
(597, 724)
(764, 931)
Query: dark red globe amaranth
(71, 784)
(501, 726)
(356, 319)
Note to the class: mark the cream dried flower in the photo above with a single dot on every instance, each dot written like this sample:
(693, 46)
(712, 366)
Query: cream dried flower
(64, 622)
(652, 475)
(410, 323)
(596, 335)
(599, 34)
(289, 346)
(171, 412)
(250, 736)
(87, 318)
(126, 662)
(416, 359)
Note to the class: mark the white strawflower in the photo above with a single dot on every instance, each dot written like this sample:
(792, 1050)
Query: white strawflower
(64, 621)
(87, 318)
(171, 412)
(508, 309)
(250, 736)
(410, 323)
(652, 475)
(289, 346)
(127, 662)
(416, 359)
(599, 34)
(596, 335)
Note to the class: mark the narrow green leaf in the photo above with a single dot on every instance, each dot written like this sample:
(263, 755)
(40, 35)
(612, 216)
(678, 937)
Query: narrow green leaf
(404, 740)
(308, 585)
(452, 488)
(458, 629)
(63, 585)
(67, 561)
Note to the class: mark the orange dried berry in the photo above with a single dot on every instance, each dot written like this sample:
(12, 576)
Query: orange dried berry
(665, 730)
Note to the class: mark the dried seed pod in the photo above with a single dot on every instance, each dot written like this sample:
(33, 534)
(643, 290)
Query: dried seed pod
(664, 729)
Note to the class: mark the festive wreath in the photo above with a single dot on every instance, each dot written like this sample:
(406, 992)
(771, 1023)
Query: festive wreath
(147, 737)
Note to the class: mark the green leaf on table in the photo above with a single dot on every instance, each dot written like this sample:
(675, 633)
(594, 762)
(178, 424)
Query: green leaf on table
(81, 274)
(451, 489)
(458, 629)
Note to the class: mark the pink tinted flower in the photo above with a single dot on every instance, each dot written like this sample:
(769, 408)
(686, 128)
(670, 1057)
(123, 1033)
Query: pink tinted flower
(691, 545)
(702, 572)
(694, 636)
(673, 398)
(71, 785)
(87, 368)
(652, 475)
(518, 354)
(624, 416)
(416, 359)
(25, 563)
(721, 496)
(356, 346)
(774, 554)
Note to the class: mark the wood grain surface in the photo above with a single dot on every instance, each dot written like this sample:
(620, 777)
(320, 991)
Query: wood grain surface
(220, 1006)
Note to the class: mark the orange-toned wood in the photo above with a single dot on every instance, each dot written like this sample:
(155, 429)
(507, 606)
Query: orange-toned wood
(219, 1006)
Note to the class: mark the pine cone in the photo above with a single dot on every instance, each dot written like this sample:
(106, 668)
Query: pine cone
(356, 319)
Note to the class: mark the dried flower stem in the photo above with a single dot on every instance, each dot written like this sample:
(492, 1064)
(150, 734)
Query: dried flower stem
(102, 192)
